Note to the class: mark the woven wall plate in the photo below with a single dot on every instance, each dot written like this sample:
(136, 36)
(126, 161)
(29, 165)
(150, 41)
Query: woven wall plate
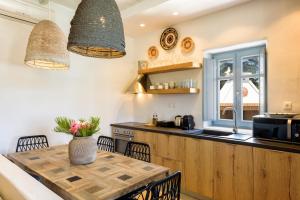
(153, 52)
(169, 38)
(187, 45)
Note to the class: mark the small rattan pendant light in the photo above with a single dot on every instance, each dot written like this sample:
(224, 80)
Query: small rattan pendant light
(97, 30)
(47, 47)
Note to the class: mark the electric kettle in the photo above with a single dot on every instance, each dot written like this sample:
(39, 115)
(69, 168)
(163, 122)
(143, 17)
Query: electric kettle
(178, 119)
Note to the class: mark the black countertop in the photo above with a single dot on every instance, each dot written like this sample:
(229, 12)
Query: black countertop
(239, 139)
(144, 127)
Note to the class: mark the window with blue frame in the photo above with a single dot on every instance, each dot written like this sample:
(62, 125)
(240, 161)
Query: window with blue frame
(235, 86)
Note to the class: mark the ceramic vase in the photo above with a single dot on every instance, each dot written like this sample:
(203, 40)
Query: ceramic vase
(82, 150)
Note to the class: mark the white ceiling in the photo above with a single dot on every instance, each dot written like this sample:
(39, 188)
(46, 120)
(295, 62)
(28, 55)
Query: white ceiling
(157, 14)
(123, 4)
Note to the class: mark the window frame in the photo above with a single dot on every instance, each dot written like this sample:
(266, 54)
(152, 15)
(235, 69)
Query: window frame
(235, 55)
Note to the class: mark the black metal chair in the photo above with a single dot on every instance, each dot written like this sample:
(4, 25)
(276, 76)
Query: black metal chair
(164, 189)
(28, 143)
(106, 143)
(138, 150)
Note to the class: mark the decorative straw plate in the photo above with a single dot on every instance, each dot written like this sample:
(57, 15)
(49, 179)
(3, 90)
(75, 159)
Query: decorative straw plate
(187, 45)
(153, 52)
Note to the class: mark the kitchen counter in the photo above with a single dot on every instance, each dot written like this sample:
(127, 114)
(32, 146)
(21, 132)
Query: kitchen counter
(240, 139)
(144, 127)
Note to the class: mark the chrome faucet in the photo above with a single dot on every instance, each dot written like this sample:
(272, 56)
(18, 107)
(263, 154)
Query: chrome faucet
(235, 128)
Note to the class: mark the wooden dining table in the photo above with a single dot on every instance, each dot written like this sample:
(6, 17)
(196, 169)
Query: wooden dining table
(110, 177)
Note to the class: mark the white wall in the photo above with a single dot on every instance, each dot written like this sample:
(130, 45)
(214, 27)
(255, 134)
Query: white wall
(276, 21)
(30, 99)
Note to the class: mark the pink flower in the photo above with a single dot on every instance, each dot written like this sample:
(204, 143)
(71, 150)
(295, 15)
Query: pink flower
(74, 127)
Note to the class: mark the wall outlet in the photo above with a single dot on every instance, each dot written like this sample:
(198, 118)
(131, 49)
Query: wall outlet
(287, 106)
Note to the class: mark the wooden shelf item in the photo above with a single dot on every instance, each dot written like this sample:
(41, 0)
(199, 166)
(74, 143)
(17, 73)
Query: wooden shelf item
(171, 68)
(175, 91)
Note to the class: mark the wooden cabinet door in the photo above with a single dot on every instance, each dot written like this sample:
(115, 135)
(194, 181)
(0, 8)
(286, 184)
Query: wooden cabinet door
(233, 172)
(171, 146)
(295, 177)
(174, 165)
(171, 150)
(199, 167)
(148, 138)
(166, 150)
(163, 145)
(272, 173)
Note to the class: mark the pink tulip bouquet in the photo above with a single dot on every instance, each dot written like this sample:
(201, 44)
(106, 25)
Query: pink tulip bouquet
(80, 128)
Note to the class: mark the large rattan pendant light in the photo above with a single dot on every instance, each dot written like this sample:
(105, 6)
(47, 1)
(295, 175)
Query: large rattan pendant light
(97, 30)
(47, 47)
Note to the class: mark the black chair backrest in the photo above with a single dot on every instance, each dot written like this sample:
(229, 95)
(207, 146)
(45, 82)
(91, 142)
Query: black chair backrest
(106, 143)
(165, 189)
(138, 150)
(28, 143)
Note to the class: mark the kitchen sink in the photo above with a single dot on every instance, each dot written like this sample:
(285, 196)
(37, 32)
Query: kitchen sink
(225, 134)
(216, 133)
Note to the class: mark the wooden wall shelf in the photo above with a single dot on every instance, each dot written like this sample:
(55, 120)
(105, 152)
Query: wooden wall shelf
(171, 68)
(175, 91)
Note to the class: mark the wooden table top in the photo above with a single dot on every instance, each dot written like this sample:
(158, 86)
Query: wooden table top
(109, 177)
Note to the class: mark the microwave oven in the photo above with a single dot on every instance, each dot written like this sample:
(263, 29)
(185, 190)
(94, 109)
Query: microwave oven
(276, 129)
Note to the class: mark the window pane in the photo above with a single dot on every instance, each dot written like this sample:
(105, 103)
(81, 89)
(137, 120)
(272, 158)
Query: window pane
(225, 99)
(250, 65)
(226, 68)
(250, 97)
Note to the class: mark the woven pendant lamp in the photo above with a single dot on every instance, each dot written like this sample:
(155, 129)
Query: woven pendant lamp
(97, 30)
(47, 47)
